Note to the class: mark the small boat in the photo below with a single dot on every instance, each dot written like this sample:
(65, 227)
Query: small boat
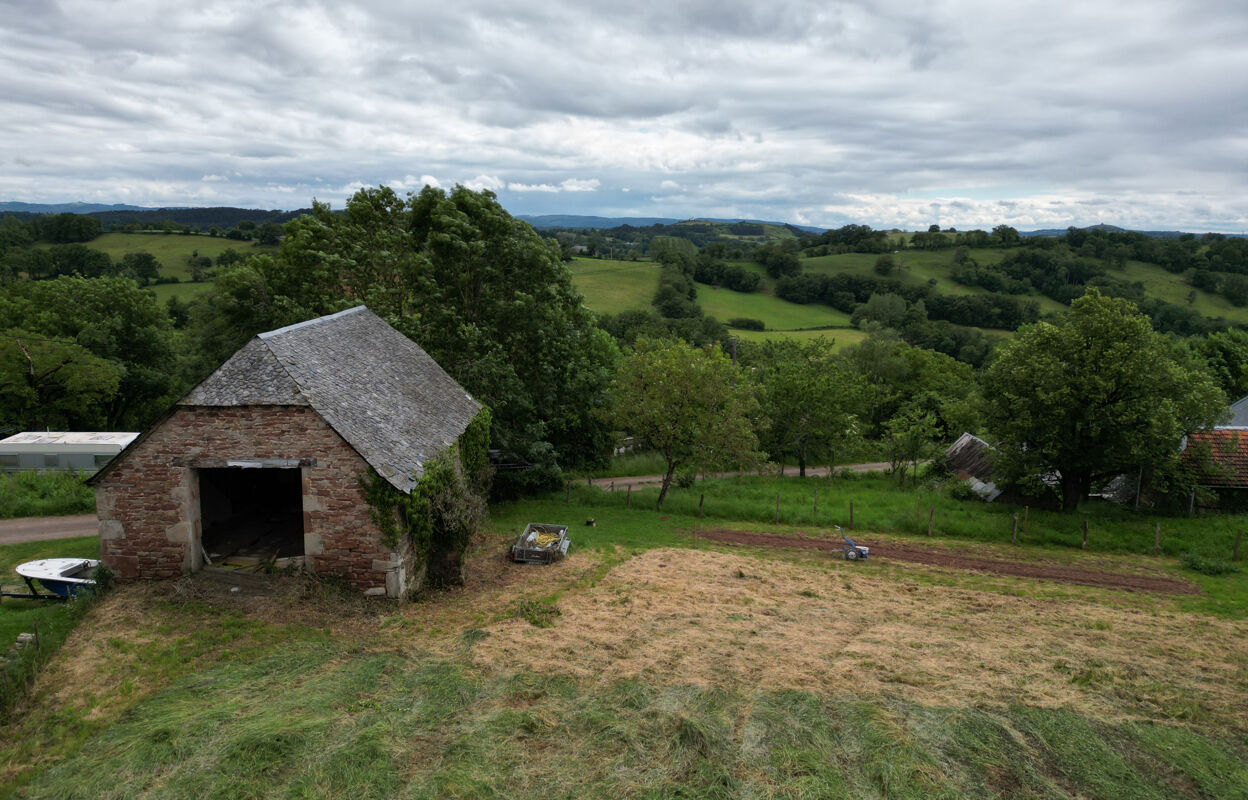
(63, 576)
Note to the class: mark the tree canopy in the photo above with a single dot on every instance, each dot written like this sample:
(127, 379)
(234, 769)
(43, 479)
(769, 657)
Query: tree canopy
(689, 404)
(481, 292)
(1097, 394)
(811, 398)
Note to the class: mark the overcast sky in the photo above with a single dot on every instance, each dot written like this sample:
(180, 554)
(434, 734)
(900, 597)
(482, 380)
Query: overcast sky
(885, 112)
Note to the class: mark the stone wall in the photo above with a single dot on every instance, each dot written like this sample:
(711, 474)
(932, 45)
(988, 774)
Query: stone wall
(148, 502)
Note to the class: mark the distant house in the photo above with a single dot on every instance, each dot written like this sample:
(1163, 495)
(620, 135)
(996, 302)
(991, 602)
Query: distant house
(1239, 414)
(1220, 455)
(61, 450)
(264, 458)
(578, 249)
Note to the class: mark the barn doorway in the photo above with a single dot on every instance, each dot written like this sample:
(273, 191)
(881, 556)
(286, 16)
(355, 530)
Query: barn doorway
(251, 517)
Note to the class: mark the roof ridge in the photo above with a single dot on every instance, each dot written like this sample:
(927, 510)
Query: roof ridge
(307, 322)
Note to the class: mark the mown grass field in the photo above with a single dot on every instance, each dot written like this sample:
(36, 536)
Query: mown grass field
(655, 663)
(610, 287)
(777, 314)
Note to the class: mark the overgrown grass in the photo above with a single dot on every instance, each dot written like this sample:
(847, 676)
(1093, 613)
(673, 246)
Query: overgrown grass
(52, 620)
(880, 505)
(44, 494)
(316, 721)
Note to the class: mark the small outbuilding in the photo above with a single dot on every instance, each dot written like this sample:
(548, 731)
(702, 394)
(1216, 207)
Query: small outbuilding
(267, 454)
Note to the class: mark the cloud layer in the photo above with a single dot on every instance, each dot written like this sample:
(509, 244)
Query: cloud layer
(887, 112)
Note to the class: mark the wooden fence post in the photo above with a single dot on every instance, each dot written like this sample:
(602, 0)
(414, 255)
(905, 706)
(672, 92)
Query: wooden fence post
(1157, 540)
(628, 499)
(1025, 510)
(567, 492)
(1085, 535)
(701, 497)
(851, 515)
(38, 641)
(918, 508)
(1014, 535)
(613, 486)
(777, 509)
(589, 480)
(1235, 552)
(816, 519)
(931, 515)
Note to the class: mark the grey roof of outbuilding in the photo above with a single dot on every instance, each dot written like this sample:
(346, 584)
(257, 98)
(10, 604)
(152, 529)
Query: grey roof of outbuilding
(383, 394)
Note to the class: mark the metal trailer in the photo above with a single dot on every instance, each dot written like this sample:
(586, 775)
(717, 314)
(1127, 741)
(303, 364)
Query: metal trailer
(527, 550)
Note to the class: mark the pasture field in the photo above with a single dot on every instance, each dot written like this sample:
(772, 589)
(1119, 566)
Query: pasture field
(185, 291)
(840, 337)
(657, 661)
(610, 287)
(172, 250)
(776, 314)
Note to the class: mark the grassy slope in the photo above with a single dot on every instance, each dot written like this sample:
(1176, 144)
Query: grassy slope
(172, 250)
(610, 287)
(192, 700)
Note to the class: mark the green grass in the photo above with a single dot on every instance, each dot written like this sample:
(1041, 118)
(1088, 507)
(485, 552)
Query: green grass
(610, 287)
(776, 314)
(172, 250)
(185, 292)
(879, 506)
(318, 721)
(53, 620)
(44, 494)
(840, 337)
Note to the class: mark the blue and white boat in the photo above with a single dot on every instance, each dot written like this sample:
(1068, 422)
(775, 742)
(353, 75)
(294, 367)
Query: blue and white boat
(62, 576)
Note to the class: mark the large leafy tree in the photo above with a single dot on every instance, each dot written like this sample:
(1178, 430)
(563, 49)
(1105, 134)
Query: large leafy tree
(114, 320)
(691, 405)
(480, 291)
(53, 384)
(1098, 394)
(811, 398)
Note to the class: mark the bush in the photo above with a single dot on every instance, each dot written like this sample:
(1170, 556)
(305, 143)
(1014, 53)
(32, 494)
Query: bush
(1207, 566)
(746, 324)
(44, 494)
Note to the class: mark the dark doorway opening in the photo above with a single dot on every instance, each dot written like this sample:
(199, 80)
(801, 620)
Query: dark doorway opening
(251, 515)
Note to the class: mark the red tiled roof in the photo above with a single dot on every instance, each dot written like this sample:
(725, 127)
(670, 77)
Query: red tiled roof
(1228, 452)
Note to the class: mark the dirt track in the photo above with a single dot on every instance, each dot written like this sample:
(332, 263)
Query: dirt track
(941, 558)
(39, 529)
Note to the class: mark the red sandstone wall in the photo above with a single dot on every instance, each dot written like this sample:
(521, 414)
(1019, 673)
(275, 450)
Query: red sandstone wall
(148, 504)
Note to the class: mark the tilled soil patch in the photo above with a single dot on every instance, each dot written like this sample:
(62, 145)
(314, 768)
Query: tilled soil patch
(941, 558)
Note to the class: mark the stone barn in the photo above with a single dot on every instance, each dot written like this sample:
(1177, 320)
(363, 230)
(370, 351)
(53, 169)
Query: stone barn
(263, 459)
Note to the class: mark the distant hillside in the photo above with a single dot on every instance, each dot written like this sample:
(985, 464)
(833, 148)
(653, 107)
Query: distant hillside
(1115, 229)
(65, 208)
(578, 221)
(224, 217)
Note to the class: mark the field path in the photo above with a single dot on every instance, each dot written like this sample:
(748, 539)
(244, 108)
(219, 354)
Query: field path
(39, 529)
(945, 558)
(644, 481)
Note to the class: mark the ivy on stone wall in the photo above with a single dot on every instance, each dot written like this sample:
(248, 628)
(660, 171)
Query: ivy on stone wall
(441, 513)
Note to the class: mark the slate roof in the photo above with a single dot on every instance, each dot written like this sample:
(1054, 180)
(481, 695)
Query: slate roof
(383, 394)
(1228, 450)
(1239, 414)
